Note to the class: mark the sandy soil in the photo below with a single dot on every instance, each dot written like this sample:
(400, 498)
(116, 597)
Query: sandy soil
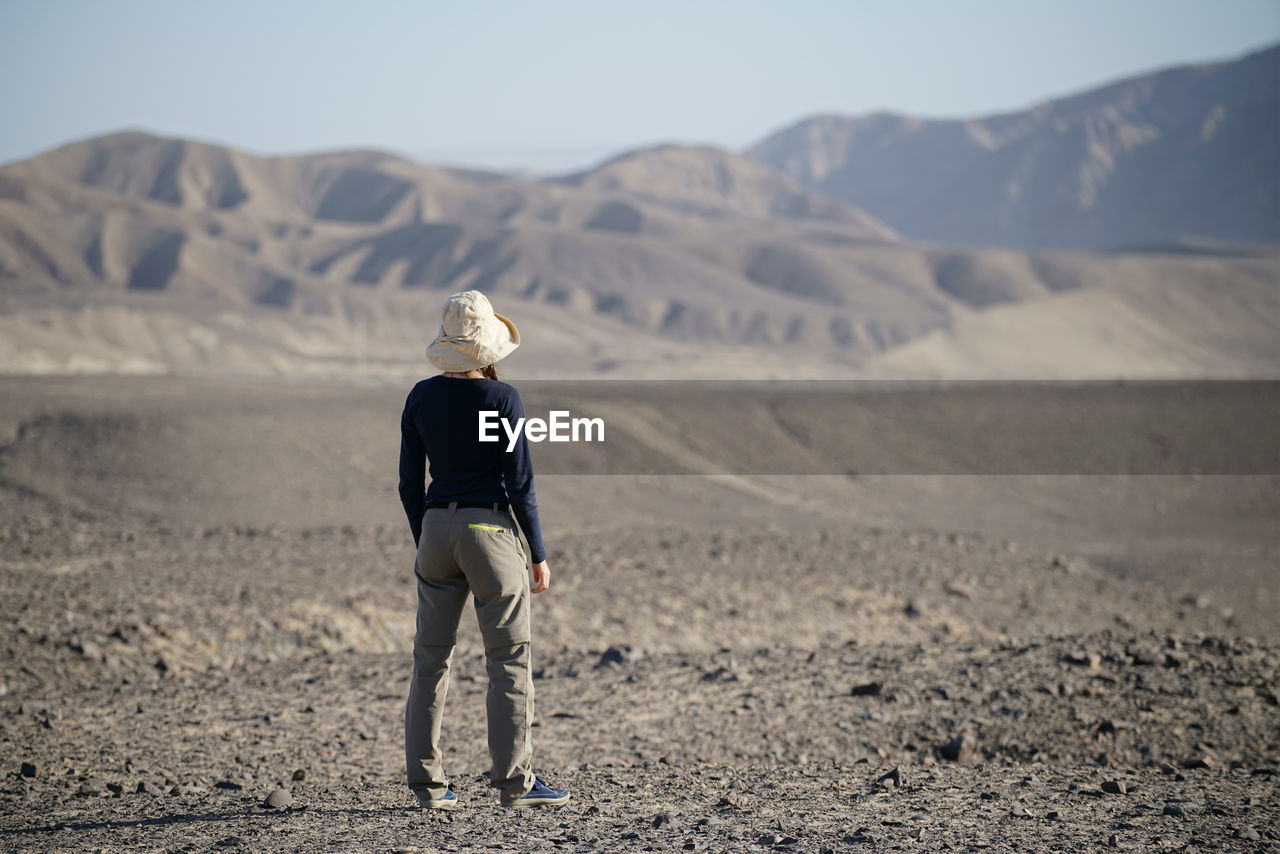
(724, 662)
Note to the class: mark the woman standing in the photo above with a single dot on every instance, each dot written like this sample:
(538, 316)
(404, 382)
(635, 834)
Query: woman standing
(468, 543)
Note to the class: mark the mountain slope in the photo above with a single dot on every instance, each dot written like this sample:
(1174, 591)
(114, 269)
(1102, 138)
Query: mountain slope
(703, 178)
(1189, 151)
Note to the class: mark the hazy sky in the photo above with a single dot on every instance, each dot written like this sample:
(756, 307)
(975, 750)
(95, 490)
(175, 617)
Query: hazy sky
(547, 84)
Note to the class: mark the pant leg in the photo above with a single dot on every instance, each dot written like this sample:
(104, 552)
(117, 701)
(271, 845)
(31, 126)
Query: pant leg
(442, 594)
(492, 557)
(509, 704)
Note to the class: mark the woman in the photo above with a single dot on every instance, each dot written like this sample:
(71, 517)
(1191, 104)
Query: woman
(468, 543)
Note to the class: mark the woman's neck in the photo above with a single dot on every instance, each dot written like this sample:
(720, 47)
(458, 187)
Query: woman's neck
(464, 375)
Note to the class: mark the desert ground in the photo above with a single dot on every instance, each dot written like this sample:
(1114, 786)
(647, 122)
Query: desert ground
(952, 624)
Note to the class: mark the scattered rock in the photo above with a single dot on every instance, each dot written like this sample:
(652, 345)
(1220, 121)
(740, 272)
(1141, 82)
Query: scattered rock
(229, 785)
(28, 769)
(776, 840)
(1198, 761)
(146, 787)
(33, 707)
(1246, 833)
(1144, 657)
(299, 775)
(870, 689)
(1176, 810)
(962, 748)
(1115, 787)
(618, 654)
(1019, 811)
(279, 799)
(1091, 660)
(90, 651)
(911, 612)
(720, 674)
(959, 588)
(893, 777)
(1113, 841)
(737, 802)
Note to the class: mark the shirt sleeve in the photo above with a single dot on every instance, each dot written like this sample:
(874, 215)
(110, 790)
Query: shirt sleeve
(413, 470)
(517, 476)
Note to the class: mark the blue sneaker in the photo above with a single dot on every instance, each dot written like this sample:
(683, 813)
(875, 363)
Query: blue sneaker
(448, 801)
(541, 795)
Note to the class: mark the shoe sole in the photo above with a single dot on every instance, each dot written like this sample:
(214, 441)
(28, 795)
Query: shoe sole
(429, 804)
(537, 802)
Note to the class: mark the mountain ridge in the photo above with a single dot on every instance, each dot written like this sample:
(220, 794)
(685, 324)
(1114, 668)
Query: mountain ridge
(1081, 171)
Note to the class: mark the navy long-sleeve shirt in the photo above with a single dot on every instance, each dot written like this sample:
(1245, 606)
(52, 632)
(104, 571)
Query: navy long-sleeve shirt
(440, 424)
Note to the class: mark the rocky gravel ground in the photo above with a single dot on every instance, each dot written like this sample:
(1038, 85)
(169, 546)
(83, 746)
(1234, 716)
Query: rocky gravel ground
(700, 687)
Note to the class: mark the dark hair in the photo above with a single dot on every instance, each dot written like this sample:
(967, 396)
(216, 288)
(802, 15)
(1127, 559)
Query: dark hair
(490, 372)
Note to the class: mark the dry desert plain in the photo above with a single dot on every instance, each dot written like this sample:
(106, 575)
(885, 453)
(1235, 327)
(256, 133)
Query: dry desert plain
(947, 622)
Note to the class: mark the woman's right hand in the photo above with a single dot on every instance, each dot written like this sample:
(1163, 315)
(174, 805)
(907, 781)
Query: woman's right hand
(541, 577)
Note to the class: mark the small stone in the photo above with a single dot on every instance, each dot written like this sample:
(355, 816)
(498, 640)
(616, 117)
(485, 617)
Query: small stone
(299, 775)
(1091, 660)
(911, 612)
(893, 777)
(1198, 761)
(28, 769)
(959, 588)
(1115, 787)
(146, 787)
(91, 651)
(1246, 833)
(618, 654)
(963, 748)
(870, 689)
(1175, 810)
(1020, 811)
(1144, 657)
(279, 799)
(1113, 841)
(229, 785)
(737, 802)
(660, 819)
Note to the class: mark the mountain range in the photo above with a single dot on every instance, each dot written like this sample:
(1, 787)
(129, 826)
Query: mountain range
(137, 253)
(1185, 152)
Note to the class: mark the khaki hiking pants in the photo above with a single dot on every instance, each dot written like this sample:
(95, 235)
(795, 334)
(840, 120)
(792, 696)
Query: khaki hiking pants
(478, 551)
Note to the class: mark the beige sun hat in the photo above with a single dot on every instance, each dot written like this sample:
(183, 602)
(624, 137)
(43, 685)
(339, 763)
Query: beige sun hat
(472, 334)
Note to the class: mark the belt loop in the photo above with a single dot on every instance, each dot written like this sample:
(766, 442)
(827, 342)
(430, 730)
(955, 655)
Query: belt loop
(453, 508)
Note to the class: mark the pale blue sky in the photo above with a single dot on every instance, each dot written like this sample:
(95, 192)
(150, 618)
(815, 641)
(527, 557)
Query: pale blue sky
(558, 84)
